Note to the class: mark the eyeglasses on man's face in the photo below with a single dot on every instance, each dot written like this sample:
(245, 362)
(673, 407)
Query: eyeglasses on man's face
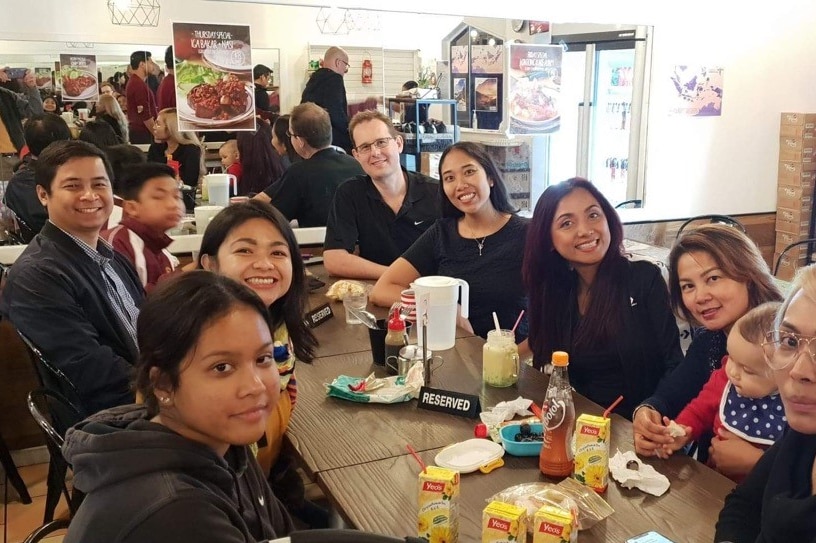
(783, 348)
(380, 143)
(290, 134)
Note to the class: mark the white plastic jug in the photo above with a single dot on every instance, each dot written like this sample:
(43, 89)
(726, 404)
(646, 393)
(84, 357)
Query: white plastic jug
(218, 187)
(443, 295)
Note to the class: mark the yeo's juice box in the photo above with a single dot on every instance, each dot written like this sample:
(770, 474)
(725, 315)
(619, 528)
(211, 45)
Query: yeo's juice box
(592, 451)
(439, 505)
(504, 523)
(552, 525)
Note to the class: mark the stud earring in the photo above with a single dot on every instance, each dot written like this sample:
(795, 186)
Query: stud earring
(164, 400)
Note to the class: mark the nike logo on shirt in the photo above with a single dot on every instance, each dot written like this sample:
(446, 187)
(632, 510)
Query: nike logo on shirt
(417, 223)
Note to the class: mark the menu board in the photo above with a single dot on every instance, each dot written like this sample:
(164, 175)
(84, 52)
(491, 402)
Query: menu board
(534, 88)
(42, 76)
(78, 78)
(214, 85)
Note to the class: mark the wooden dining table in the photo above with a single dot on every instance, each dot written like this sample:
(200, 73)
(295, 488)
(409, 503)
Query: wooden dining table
(357, 452)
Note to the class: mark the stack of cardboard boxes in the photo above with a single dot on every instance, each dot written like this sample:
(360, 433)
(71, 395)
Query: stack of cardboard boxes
(794, 200)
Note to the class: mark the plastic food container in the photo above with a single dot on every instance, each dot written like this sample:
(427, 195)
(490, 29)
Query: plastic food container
(470, 455)
(518, 448)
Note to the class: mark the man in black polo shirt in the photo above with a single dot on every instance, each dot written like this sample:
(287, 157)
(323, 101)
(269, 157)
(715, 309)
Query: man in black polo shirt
(382, 212)
(306, 189)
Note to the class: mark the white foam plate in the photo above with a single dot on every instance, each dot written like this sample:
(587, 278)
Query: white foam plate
(468, 456)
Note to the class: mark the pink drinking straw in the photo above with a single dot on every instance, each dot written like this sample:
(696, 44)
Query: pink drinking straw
(417, 458)
(518, 320)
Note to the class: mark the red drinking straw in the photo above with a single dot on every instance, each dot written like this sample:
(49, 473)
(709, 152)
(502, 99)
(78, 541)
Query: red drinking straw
(518, 320)
(611, 407)
(417, 458)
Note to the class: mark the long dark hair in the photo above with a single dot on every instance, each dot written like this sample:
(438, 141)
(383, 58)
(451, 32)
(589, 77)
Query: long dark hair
(498, 192)
(552, 285)
(260, 163)
(290, 307)
(172, 319)
(281, 129)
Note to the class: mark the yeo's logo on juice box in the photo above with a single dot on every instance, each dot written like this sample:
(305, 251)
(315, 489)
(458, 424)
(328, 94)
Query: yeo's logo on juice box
(433, 486)
(498, 524)
(553, 529)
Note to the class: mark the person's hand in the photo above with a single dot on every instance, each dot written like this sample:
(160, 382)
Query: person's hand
(29, 79)
(649, 434)
(677, 442)
(732, 455)
(4, 78)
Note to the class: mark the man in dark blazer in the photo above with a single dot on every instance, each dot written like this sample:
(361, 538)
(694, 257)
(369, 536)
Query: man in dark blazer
(69, 292)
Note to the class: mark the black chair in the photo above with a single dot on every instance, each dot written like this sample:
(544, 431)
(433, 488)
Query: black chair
(630, 204)
(53, 412)
(45, 531)
(811, 243)
(51, 378)
(712, 219)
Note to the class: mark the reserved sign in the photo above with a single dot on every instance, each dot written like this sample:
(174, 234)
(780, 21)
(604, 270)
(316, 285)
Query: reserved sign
(448, 401)
(318, 316)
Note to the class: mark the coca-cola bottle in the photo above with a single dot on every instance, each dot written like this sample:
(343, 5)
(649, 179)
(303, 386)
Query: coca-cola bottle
(558, 421)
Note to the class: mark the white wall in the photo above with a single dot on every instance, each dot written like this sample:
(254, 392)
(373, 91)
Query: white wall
(694, 165)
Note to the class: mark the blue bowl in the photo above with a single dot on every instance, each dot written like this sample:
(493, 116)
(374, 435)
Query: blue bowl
(517, 448)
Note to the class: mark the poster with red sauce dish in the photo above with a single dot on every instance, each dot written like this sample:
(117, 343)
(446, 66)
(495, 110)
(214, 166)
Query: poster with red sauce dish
(534, 88)
(214, 85)
(78, 78)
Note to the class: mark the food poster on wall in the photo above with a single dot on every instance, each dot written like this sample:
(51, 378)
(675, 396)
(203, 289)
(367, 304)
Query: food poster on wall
(487, 93)
(696, 91)
(534, 88)
(78, 78)
(459, 59)
(214, 86)
(43, 78)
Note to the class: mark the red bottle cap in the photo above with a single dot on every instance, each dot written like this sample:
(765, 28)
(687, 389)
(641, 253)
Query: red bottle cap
(395, 322)
(480, 430)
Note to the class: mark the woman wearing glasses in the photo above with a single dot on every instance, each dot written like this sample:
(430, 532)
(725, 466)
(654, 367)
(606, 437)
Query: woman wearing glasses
(776, 502)
(716, 274)
(479, 239)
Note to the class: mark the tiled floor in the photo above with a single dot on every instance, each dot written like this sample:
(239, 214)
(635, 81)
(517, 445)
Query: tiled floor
(19, 520)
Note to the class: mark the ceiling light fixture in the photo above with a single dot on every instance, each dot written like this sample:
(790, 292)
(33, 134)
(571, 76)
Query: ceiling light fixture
(134, 12)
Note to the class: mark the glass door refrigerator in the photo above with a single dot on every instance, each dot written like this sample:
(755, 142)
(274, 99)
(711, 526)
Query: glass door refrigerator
(602, 137)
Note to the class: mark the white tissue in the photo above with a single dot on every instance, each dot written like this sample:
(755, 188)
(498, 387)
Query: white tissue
(504, 411)
(646, 478)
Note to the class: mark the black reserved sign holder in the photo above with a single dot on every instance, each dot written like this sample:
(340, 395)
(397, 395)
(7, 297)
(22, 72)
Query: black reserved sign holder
(318, 316)
(448, 401)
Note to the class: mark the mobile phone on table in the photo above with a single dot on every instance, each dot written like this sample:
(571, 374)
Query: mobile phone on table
(649, 537)
(16, 73)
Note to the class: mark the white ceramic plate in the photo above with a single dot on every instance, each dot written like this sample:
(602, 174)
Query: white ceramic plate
(229, 60)
(468, 456)
(188, 114)
(86, 94)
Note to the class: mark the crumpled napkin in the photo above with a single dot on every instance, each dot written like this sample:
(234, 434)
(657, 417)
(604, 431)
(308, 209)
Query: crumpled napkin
(502, 412)
(374, 390)
(645, 477)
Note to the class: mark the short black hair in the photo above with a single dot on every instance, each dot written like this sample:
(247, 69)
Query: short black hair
(121, 158)
(137, 57)
(408, 85)
(99, 133)
(44, 129)
(59, 153)
(169, 59)
(134, 178)
(260, 70)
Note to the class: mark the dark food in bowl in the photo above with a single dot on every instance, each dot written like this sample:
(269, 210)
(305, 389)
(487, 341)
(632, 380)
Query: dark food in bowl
(224, 100)
(525, 435)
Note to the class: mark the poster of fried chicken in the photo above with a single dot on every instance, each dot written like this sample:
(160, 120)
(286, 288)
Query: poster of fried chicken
(214, 86)
(78, 78)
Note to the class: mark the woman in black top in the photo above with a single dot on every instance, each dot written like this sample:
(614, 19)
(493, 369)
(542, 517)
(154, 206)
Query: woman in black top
(109, 110)
(611, 315)
(776, 502)
(183, 147)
